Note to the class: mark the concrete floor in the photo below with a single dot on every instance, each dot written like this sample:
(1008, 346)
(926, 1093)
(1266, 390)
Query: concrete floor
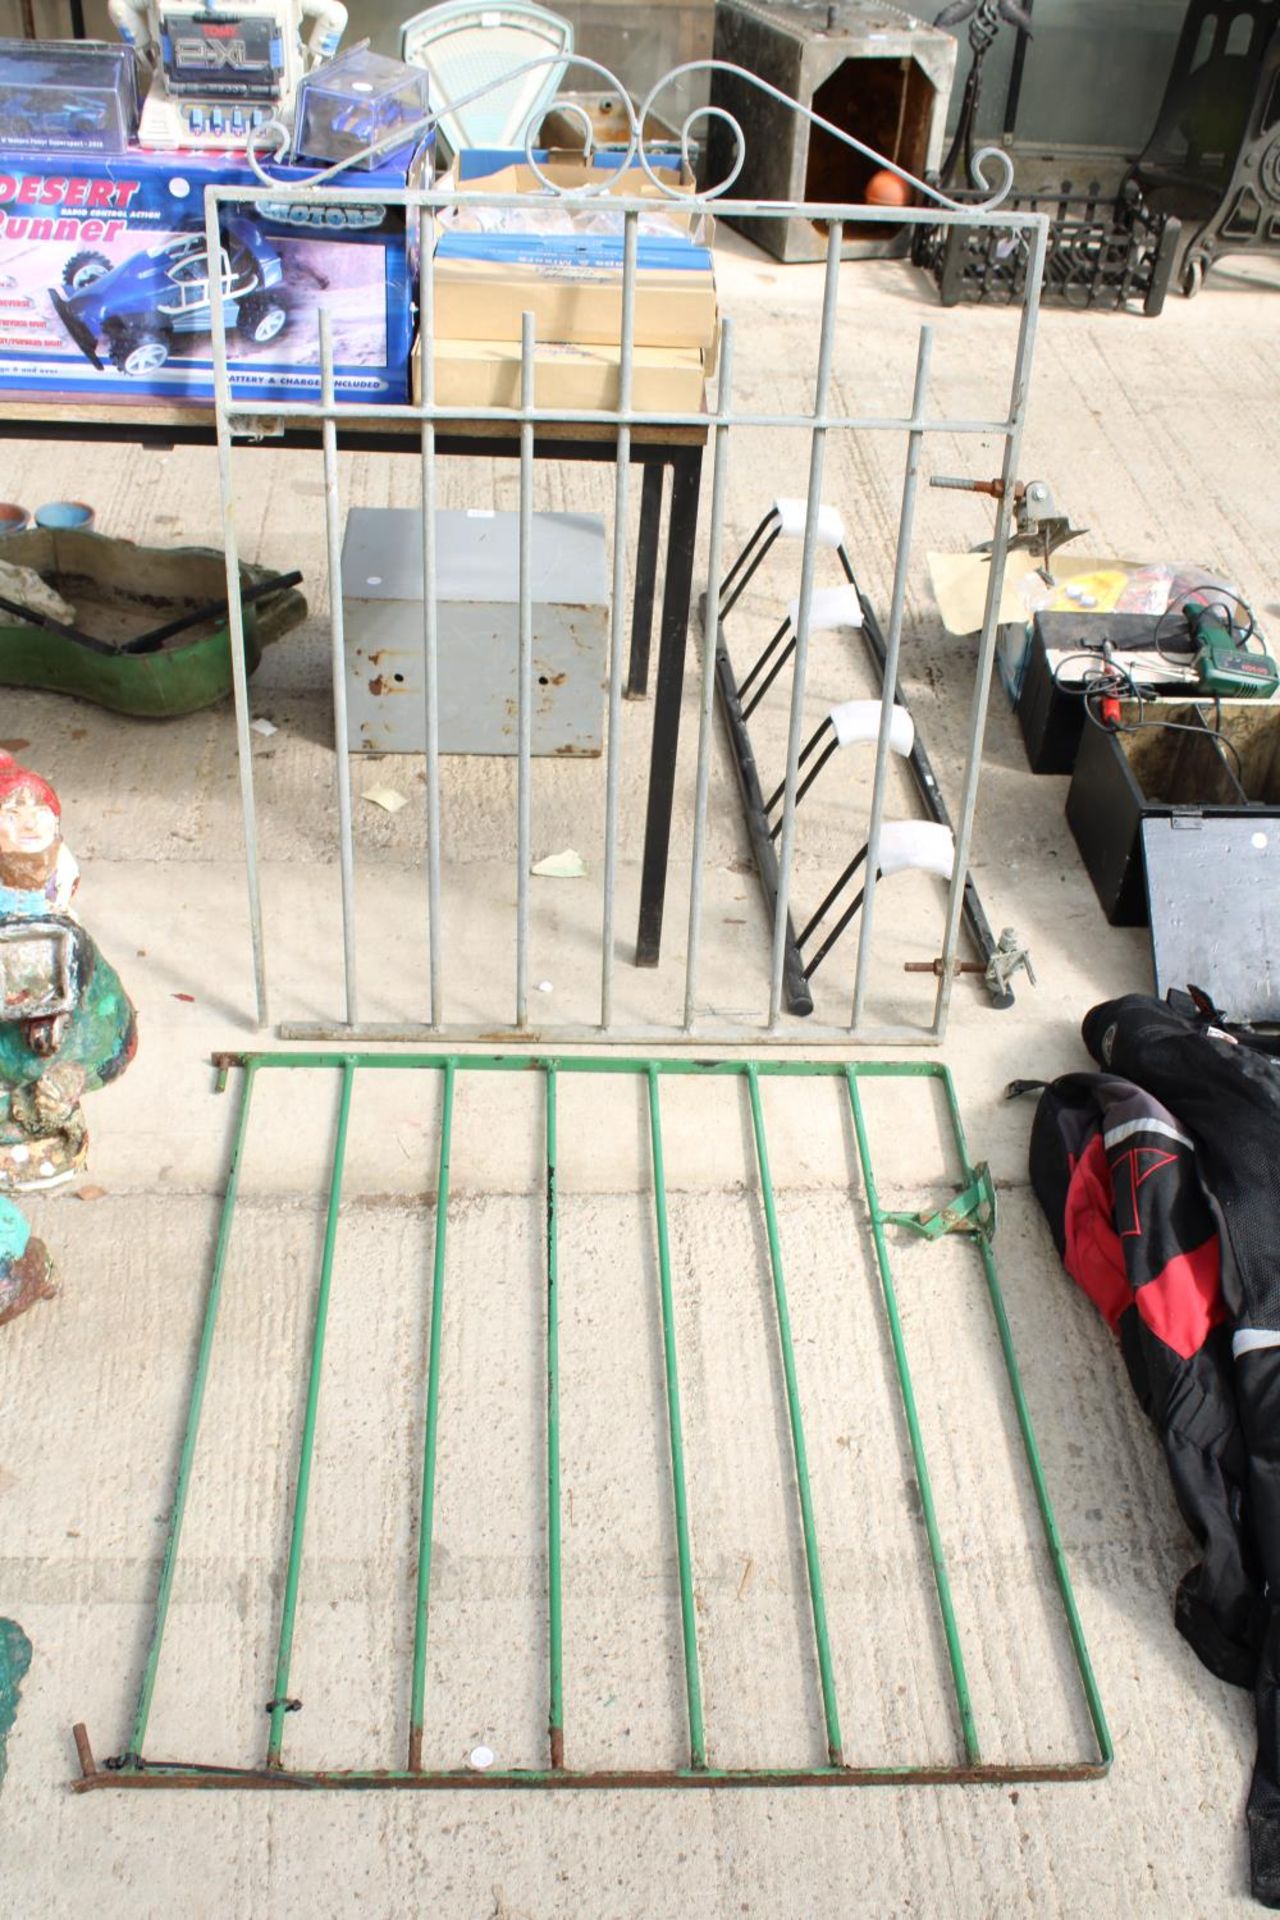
(1158, 436)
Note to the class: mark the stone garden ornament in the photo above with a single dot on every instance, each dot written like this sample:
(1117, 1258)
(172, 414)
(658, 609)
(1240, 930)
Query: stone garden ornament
(67, 1026)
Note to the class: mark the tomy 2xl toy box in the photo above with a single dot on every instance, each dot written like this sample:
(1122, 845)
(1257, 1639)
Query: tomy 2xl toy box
(106, 288)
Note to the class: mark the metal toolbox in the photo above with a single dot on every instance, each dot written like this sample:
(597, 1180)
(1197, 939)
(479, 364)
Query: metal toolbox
(477, 567)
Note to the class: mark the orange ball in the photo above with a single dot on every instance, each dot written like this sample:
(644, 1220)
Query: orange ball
(885, 189)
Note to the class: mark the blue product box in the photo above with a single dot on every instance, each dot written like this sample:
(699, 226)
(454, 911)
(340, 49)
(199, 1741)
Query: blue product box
(66, 96)
(105, 287)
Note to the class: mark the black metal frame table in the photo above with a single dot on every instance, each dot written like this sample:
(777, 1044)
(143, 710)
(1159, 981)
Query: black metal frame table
(653, 449)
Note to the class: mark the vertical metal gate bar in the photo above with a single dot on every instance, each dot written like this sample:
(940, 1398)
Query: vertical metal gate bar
(430, 609)
(289, 1609)
(889, 671)
(813, 1563)
(524, 796)
(338, 667)
(617, 635)
(991, 614)
(1053, 1540)
(555, 1592)
(235, 619)
(186, 1459)
(427, 1510)
(817, 453)
(955, 1653)
(688, 1611)
(710, 642)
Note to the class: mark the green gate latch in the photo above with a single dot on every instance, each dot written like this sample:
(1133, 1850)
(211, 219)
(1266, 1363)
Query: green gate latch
(973, 1211)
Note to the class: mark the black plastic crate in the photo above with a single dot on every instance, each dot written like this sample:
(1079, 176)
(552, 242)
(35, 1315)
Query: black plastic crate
(1103, 252)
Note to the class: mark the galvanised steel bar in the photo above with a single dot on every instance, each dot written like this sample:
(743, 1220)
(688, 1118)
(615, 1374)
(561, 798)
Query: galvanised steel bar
(889, 675)
(191, 1432)
(808, 560)
(260, 421)
(235, 621)
(1031, 1448)
(524, 704)
(430, 606)
(990, 618)
(710, 643)
(338, 671)
(813, 1563)
(427, 1510)
(622, 476)
(555, 1579)
(723, 1030)
(942, 1581)
(675, 1430)
(821, 212)
(279, 1703)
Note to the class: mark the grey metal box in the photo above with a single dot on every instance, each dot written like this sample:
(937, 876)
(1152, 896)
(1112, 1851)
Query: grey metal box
(478, 569)
(867, 66)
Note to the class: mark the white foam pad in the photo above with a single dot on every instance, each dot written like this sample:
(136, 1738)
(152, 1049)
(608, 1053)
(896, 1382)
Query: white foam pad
(791, 518)
(830, 609)
(856, 721)
(922, 844)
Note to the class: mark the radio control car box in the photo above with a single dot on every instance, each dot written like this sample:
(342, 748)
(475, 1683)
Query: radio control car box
(107, 291)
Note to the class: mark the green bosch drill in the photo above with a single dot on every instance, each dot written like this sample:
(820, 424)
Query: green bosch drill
(1224, 664)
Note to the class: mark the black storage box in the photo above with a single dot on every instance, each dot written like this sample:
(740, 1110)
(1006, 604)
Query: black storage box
(1052, 718)
(1122, 778)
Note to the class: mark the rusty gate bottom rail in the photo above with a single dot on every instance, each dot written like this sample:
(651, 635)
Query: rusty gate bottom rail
(134, 1769)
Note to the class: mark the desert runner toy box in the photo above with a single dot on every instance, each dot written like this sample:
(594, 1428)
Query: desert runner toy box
(106, 289)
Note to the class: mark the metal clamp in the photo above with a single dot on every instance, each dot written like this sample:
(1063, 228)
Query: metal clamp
(1010, 957)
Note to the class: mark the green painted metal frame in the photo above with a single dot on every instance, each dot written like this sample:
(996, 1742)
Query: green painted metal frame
(134, 1769)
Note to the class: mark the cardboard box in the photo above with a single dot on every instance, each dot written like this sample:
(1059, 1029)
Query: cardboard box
(486, 373)
(571, 280)
(106, 289)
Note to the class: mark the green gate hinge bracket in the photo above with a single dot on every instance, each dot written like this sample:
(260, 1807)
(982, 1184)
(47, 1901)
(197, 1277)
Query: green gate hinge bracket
(973, 1211)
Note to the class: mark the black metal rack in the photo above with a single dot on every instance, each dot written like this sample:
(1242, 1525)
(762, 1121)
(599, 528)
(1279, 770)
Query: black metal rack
(1104, 251)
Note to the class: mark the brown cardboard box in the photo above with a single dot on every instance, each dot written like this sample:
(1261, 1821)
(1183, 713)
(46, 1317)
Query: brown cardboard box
(570, 298)
(486, 373)
(481, 299)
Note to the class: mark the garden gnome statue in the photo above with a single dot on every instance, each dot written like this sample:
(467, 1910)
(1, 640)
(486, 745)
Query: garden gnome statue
(26, 1270)
(66, 1024)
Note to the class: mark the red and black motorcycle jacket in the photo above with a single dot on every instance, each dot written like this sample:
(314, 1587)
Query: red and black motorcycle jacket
(1162, 1188)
